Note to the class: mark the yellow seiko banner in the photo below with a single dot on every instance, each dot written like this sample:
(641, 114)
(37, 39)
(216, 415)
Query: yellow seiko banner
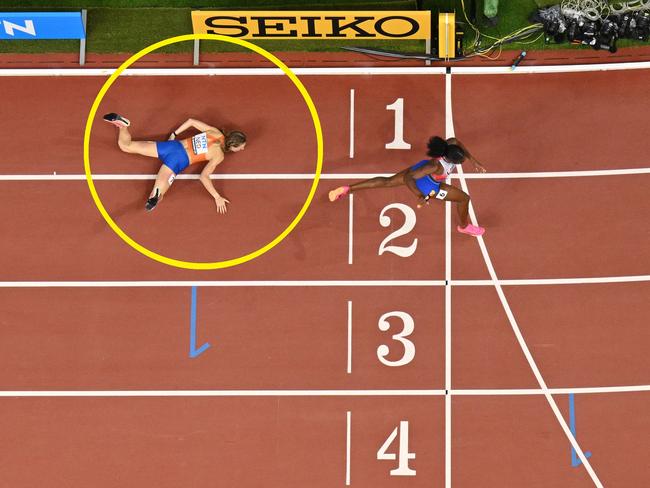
(314, 24)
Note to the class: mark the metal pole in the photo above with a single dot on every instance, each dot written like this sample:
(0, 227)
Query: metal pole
(427, 45)
(196, 51)
(82, 43)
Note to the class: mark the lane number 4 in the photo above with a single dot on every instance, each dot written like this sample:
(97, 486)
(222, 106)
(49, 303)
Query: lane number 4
(403, 455)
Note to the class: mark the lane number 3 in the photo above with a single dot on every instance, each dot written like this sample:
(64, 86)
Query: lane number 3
(409, 348)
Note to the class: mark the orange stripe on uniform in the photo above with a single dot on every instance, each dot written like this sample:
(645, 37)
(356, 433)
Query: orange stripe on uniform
(198, 146)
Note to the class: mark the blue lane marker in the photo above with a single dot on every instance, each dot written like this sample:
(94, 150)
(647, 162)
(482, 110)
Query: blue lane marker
(194, 352)
(575, 460)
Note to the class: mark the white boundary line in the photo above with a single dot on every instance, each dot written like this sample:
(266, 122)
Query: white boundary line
(321, 393)
(578, 68)
(415, 70)
(157, 284)
(555, 174)
(87, 72)
(348, 444)
(448, 287)
(552, 391)
(351, 229)
(325, 176)
(515, 326)
(321, 283)
(349, 369)
(555, 281)
(218, 393)
(351, 123)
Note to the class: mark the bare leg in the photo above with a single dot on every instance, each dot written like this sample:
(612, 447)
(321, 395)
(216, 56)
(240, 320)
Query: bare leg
(460, 198)
(378, 182)
(163, 181)
(144, 148)
(462, 205)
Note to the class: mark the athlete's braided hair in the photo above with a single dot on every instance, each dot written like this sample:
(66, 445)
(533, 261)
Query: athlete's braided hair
(455, 154)
(234, 138)
(438, 148)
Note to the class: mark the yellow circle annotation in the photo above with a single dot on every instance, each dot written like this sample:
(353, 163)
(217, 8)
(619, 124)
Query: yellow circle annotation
(189, 264)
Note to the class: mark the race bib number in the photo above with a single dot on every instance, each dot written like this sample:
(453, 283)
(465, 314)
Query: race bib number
(441, 194)
(200, 143)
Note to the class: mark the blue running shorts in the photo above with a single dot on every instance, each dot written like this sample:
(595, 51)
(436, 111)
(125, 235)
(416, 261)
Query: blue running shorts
(173, 155)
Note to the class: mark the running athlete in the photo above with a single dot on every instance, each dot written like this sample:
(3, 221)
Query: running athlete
(426, 180)
(209, 146)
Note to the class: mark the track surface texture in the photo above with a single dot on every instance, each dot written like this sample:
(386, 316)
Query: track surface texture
(375, 347)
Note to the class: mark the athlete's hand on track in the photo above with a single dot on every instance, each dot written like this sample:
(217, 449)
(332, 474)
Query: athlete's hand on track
(423, 201)
(221, 204)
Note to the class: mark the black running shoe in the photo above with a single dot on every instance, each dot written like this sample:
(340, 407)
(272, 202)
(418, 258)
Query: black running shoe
(152, 202)
(117, 120)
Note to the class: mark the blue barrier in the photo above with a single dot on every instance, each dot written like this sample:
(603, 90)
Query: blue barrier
(41, 25)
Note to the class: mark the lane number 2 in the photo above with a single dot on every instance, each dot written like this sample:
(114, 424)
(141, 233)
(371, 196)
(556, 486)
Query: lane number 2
(408, 226)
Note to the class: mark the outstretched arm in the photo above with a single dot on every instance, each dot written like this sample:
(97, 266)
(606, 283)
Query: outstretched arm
(207, 183)
(477, 166)
(197, 124)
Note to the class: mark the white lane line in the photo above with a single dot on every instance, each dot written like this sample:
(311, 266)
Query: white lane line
(416, 70)
(144, 284)
(88, 72)
(219, 393)
(348, 444)
(448, 437)
(350, 228)
(351, 123)
(515, 326)
(319, 283)
(349, 337)
(553, 391)
(324, 393)
(448, 441)
(498, 70)
(555, 174)
(324, 176)
(555, 281)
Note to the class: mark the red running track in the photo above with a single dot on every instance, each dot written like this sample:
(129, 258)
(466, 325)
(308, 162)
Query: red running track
(271, 338)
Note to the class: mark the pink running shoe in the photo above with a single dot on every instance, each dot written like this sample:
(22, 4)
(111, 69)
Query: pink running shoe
(338, 193)
(472, 230)
(117, 120)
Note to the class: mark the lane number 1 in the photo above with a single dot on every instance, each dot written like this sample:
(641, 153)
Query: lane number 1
(398, 141)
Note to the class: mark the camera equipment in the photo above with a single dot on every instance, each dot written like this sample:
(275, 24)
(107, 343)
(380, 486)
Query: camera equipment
(607, 36)
(595, 23)
(641, 30)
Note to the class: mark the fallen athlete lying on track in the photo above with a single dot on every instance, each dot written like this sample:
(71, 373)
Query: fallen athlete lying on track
(426, 179)
(209, 146)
